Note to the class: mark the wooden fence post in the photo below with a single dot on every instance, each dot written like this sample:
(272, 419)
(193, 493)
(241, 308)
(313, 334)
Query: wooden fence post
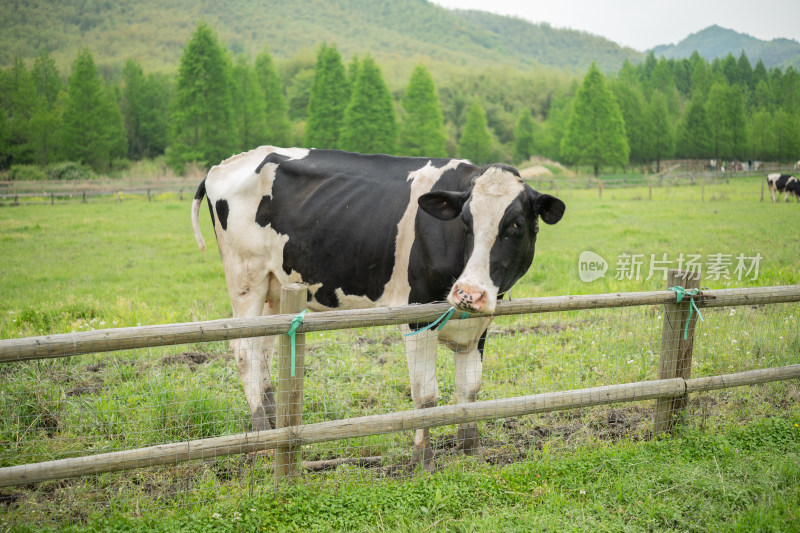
(290, 388)
(600, 188)
(676, 352)
(762, 190)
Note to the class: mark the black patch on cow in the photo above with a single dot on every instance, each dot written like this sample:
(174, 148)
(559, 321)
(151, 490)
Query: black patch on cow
(780, 183)
(513, 250)
(273, 157)
(340, 211)
(222, 213)
(211, 210)
(201, 190)
(438, 253)
(482, 343)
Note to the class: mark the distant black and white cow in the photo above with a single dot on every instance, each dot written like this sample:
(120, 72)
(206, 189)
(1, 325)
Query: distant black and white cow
(783, 183)
(372, 230)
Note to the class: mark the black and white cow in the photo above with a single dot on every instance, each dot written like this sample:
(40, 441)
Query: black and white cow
(372, 230)
(783, 183)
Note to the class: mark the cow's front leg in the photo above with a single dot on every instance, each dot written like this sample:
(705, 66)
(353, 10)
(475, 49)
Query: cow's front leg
(468, 367)
(421, 357)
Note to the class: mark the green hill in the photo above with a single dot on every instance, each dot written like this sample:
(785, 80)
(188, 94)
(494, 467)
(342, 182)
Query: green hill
(715, 41)
(394, 31)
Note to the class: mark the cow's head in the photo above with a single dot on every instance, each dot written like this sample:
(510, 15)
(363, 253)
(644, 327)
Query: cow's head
(500, 215)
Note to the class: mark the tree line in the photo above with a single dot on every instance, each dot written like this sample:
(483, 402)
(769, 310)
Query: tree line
(217, 105)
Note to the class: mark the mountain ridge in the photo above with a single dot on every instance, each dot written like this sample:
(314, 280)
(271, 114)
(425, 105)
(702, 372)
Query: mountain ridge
(717, 42)
(155, 32)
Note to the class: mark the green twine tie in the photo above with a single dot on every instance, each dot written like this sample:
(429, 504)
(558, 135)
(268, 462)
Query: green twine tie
(680, 292)
(443, 319)
(296, 321)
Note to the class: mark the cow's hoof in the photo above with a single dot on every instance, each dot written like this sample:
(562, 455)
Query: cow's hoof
(423, 455)
(261, 421)
(270, 408)
(468, 440)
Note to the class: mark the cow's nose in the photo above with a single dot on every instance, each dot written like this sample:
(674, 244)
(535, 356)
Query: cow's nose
(468, 298)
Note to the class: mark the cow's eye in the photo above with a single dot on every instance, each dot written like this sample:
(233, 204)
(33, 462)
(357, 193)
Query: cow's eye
(513, 229)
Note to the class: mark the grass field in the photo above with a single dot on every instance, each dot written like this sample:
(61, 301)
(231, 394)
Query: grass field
(735, 465)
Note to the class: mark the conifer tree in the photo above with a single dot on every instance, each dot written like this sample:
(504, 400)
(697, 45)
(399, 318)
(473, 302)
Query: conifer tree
(145, 109)
(5, 155)
(523, 137)
(369, 124)
(277, 110)
(93, 131)
(727, 128)
(22, 93)
(633, 107)
(662, 136)
(558, 116)
(475, 143)
(787, 136)
(113, 140)
(762, 136)
(46, 120)
(692, 139)
(202, 118)
(596, 132)
(352, 70)
(330, 95)
(422, 131)
(249, 106)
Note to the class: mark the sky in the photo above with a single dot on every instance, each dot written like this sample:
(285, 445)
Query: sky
(644, 24)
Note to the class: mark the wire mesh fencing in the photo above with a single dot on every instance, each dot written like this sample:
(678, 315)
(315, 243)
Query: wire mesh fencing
(560, 376)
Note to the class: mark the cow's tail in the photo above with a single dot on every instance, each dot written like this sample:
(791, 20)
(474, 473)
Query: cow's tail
(198, 200)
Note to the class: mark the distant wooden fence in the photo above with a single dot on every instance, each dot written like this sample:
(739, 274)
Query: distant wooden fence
(17, 192)
(669, 391)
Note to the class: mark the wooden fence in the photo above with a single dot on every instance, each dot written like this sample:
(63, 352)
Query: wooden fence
(17, 192)
(669, 391)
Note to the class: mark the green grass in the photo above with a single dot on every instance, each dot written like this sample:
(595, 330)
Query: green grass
(74, 267)
(740, 479)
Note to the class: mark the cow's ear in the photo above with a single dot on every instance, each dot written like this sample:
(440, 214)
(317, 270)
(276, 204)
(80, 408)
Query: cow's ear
(444, 205)
(550, 208)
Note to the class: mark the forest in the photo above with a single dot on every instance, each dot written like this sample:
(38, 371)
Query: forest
(215, 103)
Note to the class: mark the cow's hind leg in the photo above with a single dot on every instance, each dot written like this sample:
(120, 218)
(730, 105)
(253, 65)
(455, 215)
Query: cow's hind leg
(468, 367)
(254, 354)
(421, 357)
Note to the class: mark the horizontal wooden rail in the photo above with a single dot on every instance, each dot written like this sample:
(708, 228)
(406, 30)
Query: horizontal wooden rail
(380, 424)
(107, 340)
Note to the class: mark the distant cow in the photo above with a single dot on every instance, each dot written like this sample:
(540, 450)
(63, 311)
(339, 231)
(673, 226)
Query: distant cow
(783, 183)
(366, 231)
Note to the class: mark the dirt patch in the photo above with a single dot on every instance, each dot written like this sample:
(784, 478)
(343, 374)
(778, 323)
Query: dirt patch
(187, 358)
(534, 329)
(10, 500)
(83, 389)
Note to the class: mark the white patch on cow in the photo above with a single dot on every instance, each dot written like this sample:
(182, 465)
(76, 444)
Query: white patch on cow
(492, 193)
(422, 181)
(250, 253)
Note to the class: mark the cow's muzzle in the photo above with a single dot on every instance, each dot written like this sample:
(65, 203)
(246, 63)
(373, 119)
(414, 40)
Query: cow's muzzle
(466, 297)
